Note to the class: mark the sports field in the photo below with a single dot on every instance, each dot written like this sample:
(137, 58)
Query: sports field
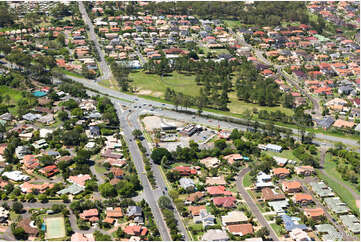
(55, 227)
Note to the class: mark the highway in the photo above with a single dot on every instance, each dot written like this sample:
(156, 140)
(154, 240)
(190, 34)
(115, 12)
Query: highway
(329, 139)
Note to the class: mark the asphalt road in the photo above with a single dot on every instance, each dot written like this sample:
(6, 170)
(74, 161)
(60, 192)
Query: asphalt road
(139, 165)
(187, 117)
(252, 205)
(134, 120)
(106, 72)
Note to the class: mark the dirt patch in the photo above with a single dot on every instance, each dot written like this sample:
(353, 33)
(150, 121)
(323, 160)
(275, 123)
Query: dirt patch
(157, 94)
(144, 92)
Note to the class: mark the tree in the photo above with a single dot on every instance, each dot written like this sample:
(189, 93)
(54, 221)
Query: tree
(165, 203)
(137, 133)
(158, 153)
(119, 233)
(19, 233)
(107, 190)
(263, 232)
(62, 115)
(43, 198)
(101, 237)
(18, 207)
(220, 144)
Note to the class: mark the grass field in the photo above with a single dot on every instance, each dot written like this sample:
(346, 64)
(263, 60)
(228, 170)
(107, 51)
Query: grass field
(55, 227)
(154, 85)
(345, 195)
(330, 168)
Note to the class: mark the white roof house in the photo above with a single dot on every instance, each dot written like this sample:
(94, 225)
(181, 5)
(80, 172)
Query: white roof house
(16, 176)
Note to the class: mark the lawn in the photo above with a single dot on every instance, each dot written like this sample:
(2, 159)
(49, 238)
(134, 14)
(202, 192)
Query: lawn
(330, 168)
(74, 74)
(247, 180)
(277, 228)
(233, 23)
(100, 169)
(345, 195)
(14, 94)
(154, 85)
(285, 154)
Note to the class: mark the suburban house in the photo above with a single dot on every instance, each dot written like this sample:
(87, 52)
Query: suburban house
(90, 215)
(269, 194)
(240, 229)
(227, 202)
(211, 181)
(187, 184)
(263, 180)
(195, 210)
(136, 230)
(234, 217)
(218, 191)
(205, 218)
(303, 198)
(304, 170)
(194, 197)
(29, 227)
(210, 162)
(281, 172)
(314, 213)
(291, 186)
(233, 158)
(215, 235)
(49, 171)
(185, 170)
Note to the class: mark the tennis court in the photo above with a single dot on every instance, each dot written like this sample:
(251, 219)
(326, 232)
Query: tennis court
(55, 227)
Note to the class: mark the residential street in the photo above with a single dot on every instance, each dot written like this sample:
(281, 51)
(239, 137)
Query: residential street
(252, 205)
(259, 55)
(307, 180)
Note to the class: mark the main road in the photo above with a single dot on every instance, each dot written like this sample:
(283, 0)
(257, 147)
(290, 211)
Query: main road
(139, 165)
(133, 120)
(106, 72)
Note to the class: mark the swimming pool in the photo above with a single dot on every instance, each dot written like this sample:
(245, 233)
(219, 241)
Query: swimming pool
(39, 94)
